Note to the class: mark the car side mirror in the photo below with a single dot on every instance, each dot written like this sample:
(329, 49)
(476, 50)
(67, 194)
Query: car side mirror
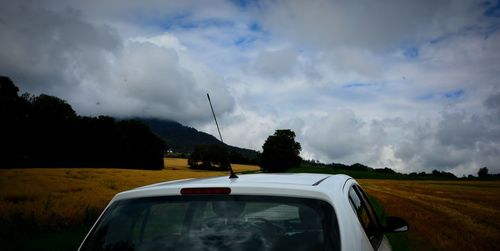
(395, 224)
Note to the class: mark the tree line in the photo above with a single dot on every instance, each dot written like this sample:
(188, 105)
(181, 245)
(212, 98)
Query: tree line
(45, 131)
(358, 170)
(280, 152)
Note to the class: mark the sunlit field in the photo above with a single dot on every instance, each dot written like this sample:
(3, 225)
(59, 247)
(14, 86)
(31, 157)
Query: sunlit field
(443, 215)
(53, 208)
(69, 194)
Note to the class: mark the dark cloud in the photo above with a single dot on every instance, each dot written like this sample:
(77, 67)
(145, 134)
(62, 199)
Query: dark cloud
(52, 51)
(59, 52)
(160, 86)
(459, 131)
(493, 103)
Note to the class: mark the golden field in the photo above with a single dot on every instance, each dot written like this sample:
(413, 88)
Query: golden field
(66, 194)
(443, 215)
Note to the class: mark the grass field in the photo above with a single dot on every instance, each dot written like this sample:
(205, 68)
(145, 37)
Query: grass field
(54, 208)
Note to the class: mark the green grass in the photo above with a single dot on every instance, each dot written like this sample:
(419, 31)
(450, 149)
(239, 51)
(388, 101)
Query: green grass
(58, 240)
(33, 236)
(30, 233)
(399, 241)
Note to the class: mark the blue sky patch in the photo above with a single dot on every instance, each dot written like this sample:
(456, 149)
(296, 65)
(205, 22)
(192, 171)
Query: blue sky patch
(425, 97)
(492, 9)
(244, 41)
(355, 85)
(454, 94)
(182, 21)
(411, 52)
(207, 23)
(170, 22)
(244, 3)
(451, 95)
(255, 27)
(438, 39)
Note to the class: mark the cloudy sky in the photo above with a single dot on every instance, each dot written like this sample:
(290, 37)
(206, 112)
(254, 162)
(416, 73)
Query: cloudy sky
(411, 85)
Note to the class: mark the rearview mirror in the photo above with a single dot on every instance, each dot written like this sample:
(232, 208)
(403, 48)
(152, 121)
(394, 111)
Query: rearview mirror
(395, 224)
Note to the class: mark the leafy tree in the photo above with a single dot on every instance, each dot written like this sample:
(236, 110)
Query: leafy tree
(443, 174)
(209, 157)
(236, 157)
(7, 88)
(280, 151)
(483, 172)
(40, 131)
(386, 170)
(14, 120)
(359, 167)
(54, 123)
(141, 149)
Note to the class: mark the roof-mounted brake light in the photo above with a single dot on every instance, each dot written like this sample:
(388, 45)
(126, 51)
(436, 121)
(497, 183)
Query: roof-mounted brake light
(205, 190)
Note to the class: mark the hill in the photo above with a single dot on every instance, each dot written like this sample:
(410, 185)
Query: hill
(183, 139)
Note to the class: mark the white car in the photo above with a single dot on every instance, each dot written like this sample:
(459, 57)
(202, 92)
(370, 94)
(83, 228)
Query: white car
(251, 212)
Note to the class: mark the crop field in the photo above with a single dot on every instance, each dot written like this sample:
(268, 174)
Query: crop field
(43, 204)
(68, 194)
(53, 208)
(443, 215)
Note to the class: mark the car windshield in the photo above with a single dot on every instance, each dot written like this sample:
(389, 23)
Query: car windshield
(214, 222)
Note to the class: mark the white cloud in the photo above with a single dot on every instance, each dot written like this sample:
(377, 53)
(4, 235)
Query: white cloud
(335, 135)
(153, 77)
(367, 24)
(164, 40)
(52, 51)
(243, 128)
(276, 63)
(60, 53)
(411, 85)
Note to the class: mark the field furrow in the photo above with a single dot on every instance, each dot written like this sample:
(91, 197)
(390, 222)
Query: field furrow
(440, 221)
(45, 204)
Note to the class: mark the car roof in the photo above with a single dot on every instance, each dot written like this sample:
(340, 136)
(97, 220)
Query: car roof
(280, 184)
(305, 179)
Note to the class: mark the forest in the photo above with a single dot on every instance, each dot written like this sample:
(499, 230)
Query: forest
(45, 131)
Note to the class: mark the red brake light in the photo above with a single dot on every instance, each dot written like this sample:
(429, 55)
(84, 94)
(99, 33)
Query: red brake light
(205, 190)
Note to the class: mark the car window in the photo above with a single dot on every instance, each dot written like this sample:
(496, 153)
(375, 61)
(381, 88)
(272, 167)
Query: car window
(216, 223)
(366, 215)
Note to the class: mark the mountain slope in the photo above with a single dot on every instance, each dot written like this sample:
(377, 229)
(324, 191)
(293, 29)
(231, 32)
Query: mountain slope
(183, 139)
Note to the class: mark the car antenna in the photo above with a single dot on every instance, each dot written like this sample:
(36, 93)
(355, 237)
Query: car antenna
(233, 175)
